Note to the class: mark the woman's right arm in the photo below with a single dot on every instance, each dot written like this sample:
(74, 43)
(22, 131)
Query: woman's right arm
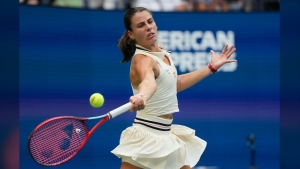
(142, 76)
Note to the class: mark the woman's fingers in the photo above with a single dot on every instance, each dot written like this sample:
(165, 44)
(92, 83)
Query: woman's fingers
(229, 61)
(224, 49)
(137, 103)
(212, 52)
(225, 52)
(230, 51)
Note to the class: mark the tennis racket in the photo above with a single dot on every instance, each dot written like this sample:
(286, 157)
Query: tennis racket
(59, 139)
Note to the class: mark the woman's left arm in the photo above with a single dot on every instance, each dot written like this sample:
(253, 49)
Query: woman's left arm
(187, 80)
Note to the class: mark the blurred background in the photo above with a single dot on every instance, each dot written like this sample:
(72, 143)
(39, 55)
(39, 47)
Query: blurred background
(68, 50)
(166, 5)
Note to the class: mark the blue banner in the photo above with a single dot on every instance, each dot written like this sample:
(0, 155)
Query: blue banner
(68, 54)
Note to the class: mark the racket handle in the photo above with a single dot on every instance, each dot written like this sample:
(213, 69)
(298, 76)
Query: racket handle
(122, 109)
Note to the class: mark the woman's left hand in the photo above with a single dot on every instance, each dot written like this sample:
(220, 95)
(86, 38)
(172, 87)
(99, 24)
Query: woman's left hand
(218, 61)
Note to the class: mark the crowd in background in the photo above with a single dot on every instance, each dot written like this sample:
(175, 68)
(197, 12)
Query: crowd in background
(165, 5)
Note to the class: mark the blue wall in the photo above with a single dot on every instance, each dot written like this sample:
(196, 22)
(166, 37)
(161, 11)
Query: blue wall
(68, 54)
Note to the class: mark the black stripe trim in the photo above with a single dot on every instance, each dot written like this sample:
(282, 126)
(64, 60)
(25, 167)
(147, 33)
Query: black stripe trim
(153, 122)
(152, 127)
(150, 50)
(143, 49)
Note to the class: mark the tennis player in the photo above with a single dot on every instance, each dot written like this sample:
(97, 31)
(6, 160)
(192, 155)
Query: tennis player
(153, 142)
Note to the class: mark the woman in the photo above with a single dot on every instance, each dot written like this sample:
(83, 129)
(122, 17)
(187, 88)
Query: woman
(153, 142)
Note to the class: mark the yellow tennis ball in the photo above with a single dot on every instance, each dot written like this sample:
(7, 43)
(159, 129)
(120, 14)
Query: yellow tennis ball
(96, 100)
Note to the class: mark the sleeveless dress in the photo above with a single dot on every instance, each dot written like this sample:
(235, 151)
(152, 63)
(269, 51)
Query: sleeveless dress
(153, 142)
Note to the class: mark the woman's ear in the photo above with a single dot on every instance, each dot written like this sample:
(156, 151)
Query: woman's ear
(130, 34)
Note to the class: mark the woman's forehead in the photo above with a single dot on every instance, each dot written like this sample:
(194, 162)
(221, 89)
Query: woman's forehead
(140, 17)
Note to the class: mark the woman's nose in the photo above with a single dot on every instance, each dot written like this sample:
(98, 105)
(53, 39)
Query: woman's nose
(148, 27)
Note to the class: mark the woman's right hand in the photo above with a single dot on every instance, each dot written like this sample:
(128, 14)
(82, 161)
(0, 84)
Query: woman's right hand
(138, 102)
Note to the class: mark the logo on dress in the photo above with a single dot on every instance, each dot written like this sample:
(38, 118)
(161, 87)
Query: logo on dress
(167, 71)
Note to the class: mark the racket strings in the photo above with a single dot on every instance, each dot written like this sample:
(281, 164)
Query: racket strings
(57, 141)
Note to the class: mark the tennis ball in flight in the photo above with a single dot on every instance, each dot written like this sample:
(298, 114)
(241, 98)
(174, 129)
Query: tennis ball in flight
(96, 100)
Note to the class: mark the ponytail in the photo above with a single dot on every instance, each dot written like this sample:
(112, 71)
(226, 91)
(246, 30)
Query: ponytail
(127, 47)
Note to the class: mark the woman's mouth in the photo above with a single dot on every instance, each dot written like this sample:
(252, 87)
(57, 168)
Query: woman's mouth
(150, 35)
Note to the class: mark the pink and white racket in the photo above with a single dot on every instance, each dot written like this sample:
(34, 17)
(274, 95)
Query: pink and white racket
(59, 139)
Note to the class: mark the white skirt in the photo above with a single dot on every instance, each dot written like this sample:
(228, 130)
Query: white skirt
(155, 143)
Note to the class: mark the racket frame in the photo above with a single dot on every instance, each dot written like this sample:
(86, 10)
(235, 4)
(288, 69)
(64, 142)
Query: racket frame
(88, 133)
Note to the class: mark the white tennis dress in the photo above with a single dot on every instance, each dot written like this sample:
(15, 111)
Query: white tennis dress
(153, 142)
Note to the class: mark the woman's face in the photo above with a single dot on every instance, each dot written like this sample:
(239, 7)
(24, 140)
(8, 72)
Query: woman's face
(144, 29)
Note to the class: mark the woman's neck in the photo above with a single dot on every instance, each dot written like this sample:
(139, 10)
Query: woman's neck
(153, 47)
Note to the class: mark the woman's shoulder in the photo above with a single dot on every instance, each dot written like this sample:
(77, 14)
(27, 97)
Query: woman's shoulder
(142, 58)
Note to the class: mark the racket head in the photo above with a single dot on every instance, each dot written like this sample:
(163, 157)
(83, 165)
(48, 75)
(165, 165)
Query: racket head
(57, 140)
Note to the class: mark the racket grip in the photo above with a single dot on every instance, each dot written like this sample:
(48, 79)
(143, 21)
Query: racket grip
(122, 109)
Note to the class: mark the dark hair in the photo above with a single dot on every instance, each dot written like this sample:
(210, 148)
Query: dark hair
(127, 45)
